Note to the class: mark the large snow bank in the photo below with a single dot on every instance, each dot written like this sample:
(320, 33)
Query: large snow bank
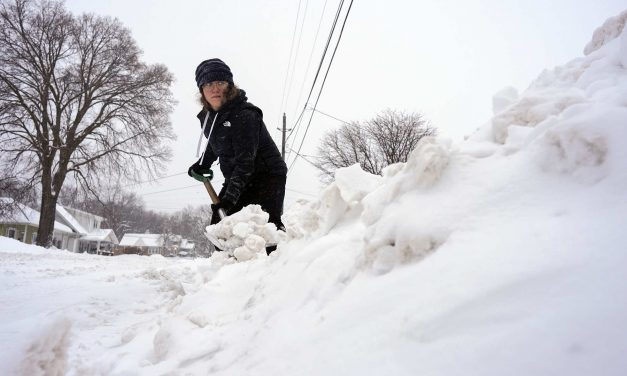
(610, 30)
(588, 85)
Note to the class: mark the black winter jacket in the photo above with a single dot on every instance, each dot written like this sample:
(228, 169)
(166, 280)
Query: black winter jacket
(242, 144)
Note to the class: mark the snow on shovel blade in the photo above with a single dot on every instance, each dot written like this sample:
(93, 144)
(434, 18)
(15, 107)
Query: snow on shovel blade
(245, 233)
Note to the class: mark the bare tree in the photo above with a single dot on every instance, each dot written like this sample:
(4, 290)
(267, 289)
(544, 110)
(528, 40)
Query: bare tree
(76, 101)
(125, 212)
(191, 223)
(122, 211)
(386, 139)
(14, 191)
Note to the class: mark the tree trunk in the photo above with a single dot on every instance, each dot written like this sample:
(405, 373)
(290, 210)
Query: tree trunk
(47, 215)
(49, 195)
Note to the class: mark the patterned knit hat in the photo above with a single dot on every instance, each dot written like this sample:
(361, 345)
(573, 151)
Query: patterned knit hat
(213, 70)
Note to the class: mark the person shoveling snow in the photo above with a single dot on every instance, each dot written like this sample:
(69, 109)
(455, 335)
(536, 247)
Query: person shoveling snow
(253, 168)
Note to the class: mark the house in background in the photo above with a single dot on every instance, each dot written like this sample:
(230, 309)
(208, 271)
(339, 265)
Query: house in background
(145, 244)
(156, 244)
(90, 237)
(23, 225)
(186, 248)
(74, 230)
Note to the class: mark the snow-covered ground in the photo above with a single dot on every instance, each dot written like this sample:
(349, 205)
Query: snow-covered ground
(505, 254)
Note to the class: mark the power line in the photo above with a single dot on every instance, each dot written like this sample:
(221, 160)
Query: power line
(300, 35)
(331, 116)
(305, 157)
(172, 210)
(152, 180)
(170, 207)
(169, 190)
(323, 82)
(324, 53)
(313, 47)
(322, 113)
(289, 62)
(196, 185)
(337, 15)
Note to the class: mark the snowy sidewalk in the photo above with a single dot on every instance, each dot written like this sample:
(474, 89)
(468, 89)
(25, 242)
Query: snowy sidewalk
(62, 310)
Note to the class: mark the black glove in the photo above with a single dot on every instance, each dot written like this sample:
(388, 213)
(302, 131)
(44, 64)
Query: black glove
(200, 173)
(225, 205)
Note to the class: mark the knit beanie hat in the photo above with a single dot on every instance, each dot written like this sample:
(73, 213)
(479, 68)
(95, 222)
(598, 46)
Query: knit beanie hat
(213, 70)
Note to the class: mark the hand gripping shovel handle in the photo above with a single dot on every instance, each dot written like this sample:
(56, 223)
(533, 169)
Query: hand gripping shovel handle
(214, 197)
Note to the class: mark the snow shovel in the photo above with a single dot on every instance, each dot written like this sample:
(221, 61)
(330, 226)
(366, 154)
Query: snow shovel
(214, 197)
(205, 178)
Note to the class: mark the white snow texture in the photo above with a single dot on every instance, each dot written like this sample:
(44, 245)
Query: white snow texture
(503, 254)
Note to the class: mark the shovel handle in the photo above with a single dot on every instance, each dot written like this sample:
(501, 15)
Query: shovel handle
(214, 197)
(212, 193)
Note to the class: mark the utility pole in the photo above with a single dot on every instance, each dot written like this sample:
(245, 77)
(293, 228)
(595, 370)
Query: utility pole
(284, 131)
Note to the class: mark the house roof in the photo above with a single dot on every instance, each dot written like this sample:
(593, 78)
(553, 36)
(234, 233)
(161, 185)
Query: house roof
(70, 220)
(77, 211)
(101, 234)
(94, 235)
(142, 240)
(26, 215)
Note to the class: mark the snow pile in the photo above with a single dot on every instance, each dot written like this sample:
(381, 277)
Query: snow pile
(358, 194)
(316, 218)
(610, 30)
(245, 234)
(589, 85)
(504, 254)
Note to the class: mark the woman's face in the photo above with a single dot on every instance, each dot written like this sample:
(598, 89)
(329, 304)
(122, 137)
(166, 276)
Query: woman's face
(215, 93)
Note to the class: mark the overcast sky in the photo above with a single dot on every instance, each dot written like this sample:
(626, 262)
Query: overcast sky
(443, 58)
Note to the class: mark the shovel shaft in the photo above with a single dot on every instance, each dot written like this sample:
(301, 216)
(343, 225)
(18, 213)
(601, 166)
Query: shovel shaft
(214, 197)
(212, 192)
(221, 213)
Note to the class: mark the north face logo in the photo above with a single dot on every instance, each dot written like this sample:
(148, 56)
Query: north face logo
(227, 123)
